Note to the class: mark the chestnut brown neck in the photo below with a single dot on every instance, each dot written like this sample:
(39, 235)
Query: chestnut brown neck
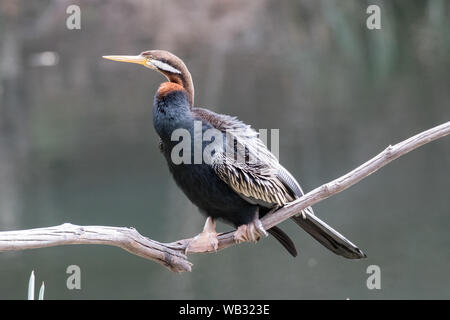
(167, 87)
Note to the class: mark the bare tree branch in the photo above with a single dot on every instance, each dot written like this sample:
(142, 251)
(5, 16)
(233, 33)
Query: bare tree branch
(126, 238)
(172, 254)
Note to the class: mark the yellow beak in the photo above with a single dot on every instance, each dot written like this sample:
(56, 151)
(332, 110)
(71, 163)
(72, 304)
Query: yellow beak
(131, 59)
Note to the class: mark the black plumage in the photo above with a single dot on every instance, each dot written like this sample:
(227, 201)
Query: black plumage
(238, 187)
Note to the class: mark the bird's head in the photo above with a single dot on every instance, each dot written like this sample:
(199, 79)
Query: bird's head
(172, 67)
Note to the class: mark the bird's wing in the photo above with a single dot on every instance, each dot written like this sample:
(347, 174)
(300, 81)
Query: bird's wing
(291, 183)
(258, 178)
(245, 163)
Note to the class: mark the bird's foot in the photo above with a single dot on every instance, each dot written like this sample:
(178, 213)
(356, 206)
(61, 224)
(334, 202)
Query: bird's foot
(205, 241)
(250, 232)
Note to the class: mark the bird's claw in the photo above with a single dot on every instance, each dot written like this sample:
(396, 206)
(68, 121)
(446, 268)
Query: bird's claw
(203, 242)
(251, 232)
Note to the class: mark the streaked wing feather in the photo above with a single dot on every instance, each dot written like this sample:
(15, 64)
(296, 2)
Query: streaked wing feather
(256, 181)
(291, 183)
(254, 185)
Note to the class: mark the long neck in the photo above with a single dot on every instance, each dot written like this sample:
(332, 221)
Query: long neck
(184, 79)
(171, 110)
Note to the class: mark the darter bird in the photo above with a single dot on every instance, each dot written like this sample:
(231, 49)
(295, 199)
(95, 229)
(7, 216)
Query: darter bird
(238, 186)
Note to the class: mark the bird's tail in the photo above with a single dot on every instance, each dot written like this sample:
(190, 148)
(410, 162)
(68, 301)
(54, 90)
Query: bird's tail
(327, 236)
(284, 239)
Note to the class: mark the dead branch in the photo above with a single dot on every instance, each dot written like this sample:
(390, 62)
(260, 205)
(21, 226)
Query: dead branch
(172, 254)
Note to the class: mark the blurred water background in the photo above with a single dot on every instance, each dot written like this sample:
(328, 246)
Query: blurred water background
(77, 143)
